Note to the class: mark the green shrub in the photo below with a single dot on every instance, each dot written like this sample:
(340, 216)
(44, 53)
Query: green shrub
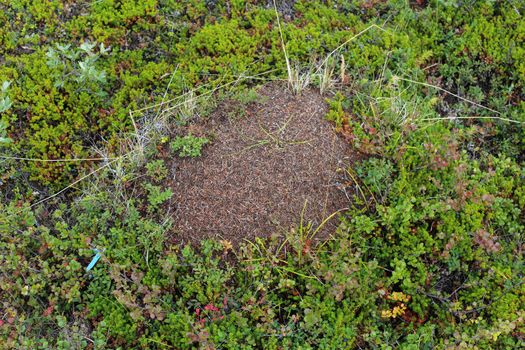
(156, 196)
(78, 64)
(188, 146)
(157, 170)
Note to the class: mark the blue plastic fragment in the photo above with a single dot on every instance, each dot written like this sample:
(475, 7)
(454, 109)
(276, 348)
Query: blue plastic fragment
(94, 260)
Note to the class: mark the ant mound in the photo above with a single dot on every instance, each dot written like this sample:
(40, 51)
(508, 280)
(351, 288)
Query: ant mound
(278, 162)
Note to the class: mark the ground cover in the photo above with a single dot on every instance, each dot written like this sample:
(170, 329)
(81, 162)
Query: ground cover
(115, 119)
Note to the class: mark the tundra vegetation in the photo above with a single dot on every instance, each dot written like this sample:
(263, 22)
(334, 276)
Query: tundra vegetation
(97, 97)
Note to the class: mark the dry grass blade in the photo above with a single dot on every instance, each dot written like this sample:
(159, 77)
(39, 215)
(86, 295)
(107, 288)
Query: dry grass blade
(72, 184)
(237, 79)
(323, 63)
(328, 218)
(58, 160)
(326, 82)
(461, 98)
(288, 66)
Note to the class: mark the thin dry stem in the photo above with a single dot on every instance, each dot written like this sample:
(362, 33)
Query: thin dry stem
(461, 98)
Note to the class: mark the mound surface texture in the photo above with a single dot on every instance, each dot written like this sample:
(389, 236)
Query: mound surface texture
(261, 170)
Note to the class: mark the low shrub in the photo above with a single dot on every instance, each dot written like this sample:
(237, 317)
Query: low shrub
(188, 146)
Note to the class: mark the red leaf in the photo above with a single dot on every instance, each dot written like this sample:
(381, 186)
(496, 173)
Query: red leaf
(49, 310)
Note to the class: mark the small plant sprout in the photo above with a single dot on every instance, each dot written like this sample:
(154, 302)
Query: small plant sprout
(188, 146)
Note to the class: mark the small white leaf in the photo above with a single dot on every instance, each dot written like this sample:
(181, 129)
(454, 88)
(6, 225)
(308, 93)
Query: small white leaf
(87, 46)
(5, 85)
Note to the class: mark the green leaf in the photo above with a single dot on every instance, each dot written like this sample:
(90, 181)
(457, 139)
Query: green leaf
(87, 46)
